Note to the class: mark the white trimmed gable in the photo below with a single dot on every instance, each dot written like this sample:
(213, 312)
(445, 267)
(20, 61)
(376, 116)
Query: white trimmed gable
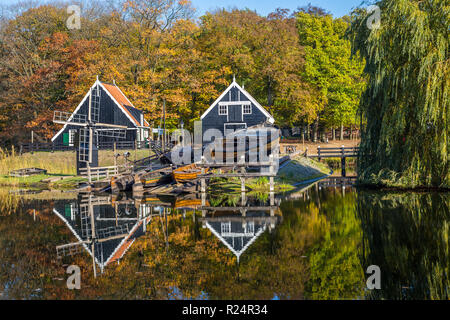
(234, 84)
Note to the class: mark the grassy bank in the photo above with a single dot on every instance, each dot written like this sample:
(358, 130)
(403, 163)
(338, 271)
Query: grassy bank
(37, 181)
(62, 165)
(296, 171)
(302, 169)
(57, 164)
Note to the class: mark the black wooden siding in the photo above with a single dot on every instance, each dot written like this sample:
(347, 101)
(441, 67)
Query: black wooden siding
(109, 113)
(215, 121)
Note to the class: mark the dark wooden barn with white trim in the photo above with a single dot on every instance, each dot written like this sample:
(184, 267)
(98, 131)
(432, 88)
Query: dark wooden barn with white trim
(235, 109)
(115, 108)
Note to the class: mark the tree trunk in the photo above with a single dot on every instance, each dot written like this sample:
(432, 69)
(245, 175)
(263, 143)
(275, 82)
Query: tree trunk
(316, 129)
(342, 131)
(269, 94)
(308, 132)
(334, 133)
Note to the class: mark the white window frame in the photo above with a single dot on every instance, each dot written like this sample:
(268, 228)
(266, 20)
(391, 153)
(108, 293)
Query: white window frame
(249, 106)
(250, 228)
(225, 227)
(72, 133)
(221, 110)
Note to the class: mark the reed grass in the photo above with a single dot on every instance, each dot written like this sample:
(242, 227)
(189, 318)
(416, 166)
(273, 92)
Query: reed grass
(58, 162)
(8, 202)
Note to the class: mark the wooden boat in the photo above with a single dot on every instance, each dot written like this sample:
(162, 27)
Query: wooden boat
(156, 178)
(157, 200)
(187, 173)
(189, 202)
(122, 183)
(245, 136)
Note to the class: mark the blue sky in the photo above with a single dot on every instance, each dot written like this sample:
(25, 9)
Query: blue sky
(337, 7)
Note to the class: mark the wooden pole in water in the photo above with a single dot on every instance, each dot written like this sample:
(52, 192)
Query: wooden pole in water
(164, 126)
(91, 211)
(91, 133)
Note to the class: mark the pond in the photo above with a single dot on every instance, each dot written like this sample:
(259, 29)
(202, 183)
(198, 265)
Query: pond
(314, 243)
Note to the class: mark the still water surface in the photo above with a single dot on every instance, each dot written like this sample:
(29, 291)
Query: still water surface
(315, 243)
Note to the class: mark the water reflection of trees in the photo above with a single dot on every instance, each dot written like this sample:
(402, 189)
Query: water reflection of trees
(334, 268)
(406, 235)
(327, 239)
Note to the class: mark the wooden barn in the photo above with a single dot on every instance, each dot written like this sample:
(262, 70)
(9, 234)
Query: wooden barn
(115, 108)
(235, 109)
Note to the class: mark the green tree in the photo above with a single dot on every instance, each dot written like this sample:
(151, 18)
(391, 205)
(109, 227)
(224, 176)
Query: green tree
(406, 104)
(330, 69)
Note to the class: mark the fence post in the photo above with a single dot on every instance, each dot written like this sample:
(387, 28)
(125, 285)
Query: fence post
(318, 153)
(114, 154)
(343, 162)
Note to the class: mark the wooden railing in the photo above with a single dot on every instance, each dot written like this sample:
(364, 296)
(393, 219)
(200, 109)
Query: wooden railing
(48, 146)
(100, 173)
(342, 152)
(51, 147)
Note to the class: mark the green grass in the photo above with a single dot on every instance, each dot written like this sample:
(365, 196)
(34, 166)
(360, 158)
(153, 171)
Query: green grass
(298, 170)
(36, 181)
(302, 169)
(59, 162)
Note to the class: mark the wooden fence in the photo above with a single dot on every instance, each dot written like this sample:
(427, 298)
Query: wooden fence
(51, 147)
(103, 172)
(342, 152)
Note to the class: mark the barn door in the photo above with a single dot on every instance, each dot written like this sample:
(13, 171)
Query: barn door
(235, 113)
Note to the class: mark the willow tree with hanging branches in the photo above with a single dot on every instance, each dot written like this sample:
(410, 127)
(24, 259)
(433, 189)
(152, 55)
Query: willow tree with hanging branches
(405, 107)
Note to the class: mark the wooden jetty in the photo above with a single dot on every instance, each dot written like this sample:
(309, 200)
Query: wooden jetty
(342, 152)
(27, 172)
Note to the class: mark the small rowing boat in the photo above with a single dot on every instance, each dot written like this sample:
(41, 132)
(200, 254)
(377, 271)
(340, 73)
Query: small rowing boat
(187, 173)
(156, 178)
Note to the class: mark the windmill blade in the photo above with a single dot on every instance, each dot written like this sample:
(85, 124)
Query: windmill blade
(70, 249)
(83, 148)
(95, 103)
(62, 117)
(111, 133)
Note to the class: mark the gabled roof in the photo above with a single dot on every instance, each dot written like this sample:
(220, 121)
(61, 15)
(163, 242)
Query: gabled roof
(237, 248)
(119, 98)
(246, 94)
(113, 250)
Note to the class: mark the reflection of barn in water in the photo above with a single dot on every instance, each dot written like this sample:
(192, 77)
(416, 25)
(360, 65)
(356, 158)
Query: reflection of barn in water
(239, 227)
(115, 227)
